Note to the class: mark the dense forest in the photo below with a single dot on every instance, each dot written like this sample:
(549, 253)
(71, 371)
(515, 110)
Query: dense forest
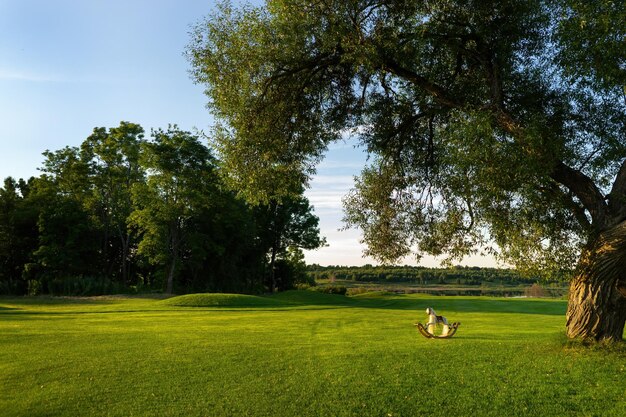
(459, 275)
(126, 213)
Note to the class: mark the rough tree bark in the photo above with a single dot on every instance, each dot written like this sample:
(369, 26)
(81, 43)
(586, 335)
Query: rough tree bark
(597, 299)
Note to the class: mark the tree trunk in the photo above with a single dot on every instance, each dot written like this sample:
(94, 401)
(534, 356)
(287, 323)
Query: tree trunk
(273, 269)
(170, 277)
(125, 241)
(597, 298)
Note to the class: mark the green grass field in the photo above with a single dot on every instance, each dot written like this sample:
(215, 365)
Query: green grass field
(299, 354)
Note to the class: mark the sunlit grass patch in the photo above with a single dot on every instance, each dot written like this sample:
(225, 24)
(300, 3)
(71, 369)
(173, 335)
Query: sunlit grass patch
(299, 353)
(221, 300)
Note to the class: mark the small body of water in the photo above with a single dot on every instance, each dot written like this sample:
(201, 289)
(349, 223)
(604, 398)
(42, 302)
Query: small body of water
(491, 292)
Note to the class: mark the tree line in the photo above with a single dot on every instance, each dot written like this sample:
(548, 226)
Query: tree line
(460, 275)
(122, 212)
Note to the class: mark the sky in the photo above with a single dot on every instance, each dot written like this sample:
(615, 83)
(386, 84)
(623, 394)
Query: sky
(68, 66)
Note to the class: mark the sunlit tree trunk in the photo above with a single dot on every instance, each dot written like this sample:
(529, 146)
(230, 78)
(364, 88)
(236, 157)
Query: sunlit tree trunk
(597, 298)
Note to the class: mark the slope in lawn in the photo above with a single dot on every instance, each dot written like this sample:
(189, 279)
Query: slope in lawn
(222, 300)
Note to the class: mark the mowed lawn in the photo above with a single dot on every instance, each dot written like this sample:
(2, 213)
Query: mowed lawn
(299, 354)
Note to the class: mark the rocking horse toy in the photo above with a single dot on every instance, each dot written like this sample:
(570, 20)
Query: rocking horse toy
(437, 326)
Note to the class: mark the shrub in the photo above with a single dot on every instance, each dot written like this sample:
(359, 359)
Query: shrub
(358, 290)
(331, 289)
(535, 290)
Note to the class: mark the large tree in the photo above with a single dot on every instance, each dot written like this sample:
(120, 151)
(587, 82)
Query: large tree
(494, 124)
(181, 185)
(113, 157)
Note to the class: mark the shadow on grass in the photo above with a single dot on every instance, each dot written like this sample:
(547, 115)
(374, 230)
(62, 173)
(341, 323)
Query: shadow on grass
(441, 304)
(301, 301)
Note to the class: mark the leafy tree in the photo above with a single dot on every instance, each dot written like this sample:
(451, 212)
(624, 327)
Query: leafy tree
(113, 157)
(224, 254)
(291, 270)
(68, 234)
(180, 184)
(483, 129)
(284, 224)
(18, 234)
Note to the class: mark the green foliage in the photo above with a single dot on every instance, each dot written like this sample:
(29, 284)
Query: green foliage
(113, 157)
(286, 226)
(180, 184)
(593, 35)
(83, 286)
(18, 235)
(332, 289)
(483, 129)
(422, 275)
(68, 244)
(123, 213)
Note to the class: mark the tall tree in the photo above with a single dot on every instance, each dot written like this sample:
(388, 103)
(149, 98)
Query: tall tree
(18, 234)
(67, 230)
(113, 156)
(180, 183)
(482, 129)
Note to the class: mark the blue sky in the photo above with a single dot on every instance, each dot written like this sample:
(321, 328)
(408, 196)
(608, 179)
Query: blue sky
(67, 66)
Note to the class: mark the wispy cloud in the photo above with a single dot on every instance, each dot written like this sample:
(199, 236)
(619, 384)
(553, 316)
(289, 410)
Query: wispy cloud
(15, 75)
(334, 181)
(327, 191)
(40, 77)
(334, 164)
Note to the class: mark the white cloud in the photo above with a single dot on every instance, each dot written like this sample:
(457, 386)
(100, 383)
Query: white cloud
(326, 192)
(335, 164)
(335, 181)
(12, 75)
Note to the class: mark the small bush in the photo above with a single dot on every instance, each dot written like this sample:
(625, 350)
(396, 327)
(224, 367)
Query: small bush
(331, 289)
(84, 286)
(535, 291)
(34, 287)
(304, 285)
(358, 290)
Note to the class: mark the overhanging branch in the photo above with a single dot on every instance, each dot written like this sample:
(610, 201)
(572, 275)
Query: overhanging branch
(617, 196)
(585, 190)
(436, 91)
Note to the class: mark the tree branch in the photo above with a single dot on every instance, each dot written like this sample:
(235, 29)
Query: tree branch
(585, 190)
(617, 196)
(315, 64)
(437, 92)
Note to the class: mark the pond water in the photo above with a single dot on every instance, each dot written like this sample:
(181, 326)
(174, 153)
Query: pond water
(491, 292)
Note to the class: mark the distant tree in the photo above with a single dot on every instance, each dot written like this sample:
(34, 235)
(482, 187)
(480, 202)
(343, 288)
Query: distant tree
(489, 123)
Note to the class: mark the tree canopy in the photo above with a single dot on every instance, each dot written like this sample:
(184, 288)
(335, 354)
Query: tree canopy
(474, 113)
(493, 124)
(123, 212)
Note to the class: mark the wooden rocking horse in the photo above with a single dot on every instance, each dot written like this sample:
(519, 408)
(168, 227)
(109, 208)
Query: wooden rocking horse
(437, 326)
